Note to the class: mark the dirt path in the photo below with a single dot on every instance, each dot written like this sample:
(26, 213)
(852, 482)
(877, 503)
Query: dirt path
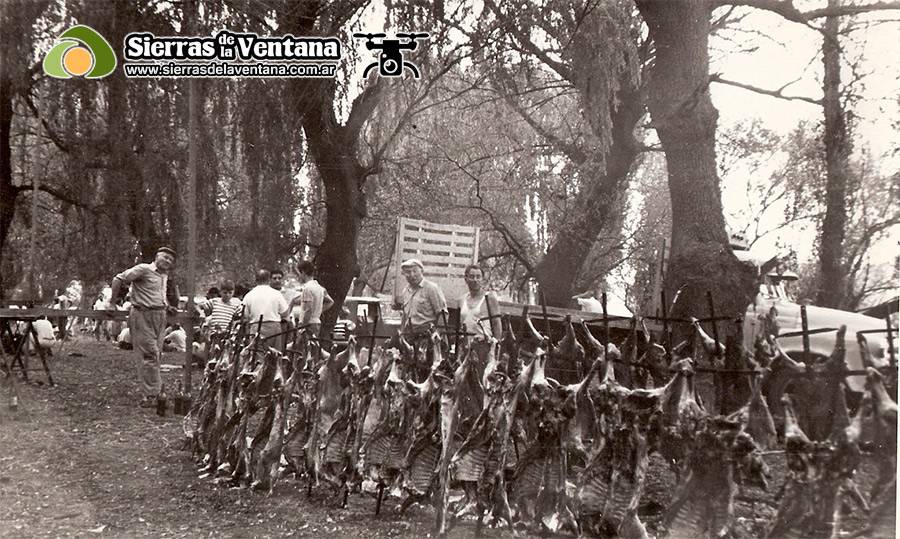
(81, 459)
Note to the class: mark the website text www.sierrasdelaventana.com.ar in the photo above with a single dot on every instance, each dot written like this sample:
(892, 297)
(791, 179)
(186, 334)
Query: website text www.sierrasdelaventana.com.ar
(230, 54)
(228, 69)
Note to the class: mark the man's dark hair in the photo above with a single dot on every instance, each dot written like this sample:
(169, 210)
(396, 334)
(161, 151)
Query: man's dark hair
(472, 267)
(227, 285)
(263, 276)
(240, 289)
(277, 271)
(213, 292)
(306, 267)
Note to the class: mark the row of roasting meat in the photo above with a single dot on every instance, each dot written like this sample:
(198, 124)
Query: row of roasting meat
(523, 433)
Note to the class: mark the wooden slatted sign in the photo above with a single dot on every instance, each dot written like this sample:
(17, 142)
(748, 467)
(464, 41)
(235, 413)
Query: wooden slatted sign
(445, 250)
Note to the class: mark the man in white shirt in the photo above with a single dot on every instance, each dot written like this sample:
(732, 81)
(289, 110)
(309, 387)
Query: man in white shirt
(289, 293)
(266, 303)
(45, 336)
(313, 299)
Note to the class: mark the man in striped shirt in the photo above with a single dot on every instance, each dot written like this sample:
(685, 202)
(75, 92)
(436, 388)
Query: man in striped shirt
(223, 308)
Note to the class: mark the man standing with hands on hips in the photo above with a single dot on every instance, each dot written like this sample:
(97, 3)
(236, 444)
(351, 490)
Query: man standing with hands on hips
(421, 302)
(147, 319)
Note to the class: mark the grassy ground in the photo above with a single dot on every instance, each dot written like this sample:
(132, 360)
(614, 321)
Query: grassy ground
(82, 460)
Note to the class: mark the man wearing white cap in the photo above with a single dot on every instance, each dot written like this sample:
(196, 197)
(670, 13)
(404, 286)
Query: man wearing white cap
(147, 319)
(422, 301)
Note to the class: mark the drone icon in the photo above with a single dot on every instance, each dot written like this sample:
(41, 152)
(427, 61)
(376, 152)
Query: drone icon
(390, 62)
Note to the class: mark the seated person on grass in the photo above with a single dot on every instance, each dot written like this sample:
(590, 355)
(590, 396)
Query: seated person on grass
(175, 340)
(123, 340)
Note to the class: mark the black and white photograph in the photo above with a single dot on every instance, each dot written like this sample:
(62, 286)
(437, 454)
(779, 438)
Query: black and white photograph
(473, 268)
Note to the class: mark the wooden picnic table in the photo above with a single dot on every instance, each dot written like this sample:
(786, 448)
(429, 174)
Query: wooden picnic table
(16, 325)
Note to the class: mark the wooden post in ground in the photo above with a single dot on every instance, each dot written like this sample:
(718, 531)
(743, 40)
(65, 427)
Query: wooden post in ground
(712, 315)
(667, 342)
(547, 329)
(32, 286)
(804, 326)
(375, 321)
(605, 326)
(892, 354)
(379, 499)
(192, 231)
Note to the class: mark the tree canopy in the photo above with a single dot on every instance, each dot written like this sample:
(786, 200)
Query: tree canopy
(579, 135)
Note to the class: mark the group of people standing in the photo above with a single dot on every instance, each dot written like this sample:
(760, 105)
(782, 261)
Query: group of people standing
(274, 308)
(269, 304)
(422, 304)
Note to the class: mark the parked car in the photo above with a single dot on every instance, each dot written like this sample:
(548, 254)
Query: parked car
(773, 292)
(365, 311)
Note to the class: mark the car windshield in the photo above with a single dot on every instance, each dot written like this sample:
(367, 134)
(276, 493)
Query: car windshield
(775, 288)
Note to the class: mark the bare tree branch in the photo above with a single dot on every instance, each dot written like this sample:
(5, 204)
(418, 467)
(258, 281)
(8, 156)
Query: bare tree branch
(789, 11)
(363, 106)
(850, 9)
(524, 43)
(59, 194)
(771, 93)
(508, 237)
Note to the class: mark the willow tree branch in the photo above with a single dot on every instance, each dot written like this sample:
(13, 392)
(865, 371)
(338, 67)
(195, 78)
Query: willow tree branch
(363, 107)
(48, 129)
(59, 194)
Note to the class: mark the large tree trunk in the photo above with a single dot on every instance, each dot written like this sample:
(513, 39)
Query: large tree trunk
(8, 191)
(557, 270)
(833, 283)
(333, 151)
(126, 190)
(117, 198)
(685, 120)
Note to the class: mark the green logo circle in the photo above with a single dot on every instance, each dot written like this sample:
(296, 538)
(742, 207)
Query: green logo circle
(80, 51)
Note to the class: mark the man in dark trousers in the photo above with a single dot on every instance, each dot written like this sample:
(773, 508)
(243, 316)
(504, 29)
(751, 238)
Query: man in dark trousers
(147, 319)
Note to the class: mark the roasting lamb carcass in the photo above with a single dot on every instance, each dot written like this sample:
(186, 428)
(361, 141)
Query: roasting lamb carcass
(679, 414)
(302, 410)
(884, 513)
(383, 451)
(338, 454)
(330, 392)
(610, 487)
(820, 477)
(487, 452)
(757, 419)
(461, 403)
(705, 346)
(567, 364)
(539, 486)
(375, 405)
(704, 505)
(423, 451)
(270, 455)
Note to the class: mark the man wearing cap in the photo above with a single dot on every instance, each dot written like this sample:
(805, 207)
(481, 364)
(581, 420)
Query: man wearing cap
(422, 301)
(147, 319)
